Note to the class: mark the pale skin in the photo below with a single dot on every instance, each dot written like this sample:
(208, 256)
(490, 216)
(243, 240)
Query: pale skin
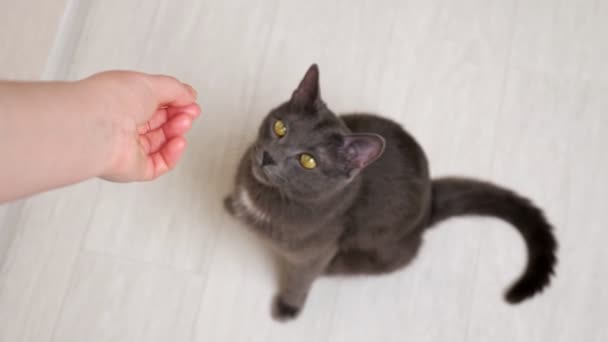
(121, 126)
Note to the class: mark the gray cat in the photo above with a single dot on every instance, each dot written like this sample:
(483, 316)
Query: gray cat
(352, 195)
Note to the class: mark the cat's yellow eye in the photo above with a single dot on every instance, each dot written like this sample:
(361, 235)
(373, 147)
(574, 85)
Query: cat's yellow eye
(307, 161)
(279, 128)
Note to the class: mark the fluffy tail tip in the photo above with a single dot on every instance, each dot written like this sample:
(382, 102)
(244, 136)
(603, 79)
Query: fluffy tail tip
(519, 293)
(530, 286)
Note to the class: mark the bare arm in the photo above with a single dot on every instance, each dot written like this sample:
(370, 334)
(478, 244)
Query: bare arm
(122, 126)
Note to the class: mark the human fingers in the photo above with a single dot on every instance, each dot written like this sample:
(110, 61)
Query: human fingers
(165, 159)
(153, 140)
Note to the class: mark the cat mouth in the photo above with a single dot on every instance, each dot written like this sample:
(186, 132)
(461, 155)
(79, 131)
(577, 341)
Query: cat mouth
(259, 175)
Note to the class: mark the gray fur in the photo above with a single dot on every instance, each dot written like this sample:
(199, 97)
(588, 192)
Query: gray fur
(364, 209)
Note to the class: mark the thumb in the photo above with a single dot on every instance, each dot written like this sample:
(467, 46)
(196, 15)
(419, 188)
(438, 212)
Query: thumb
(169, 91)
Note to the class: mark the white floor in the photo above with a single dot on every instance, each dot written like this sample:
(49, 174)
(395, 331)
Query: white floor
(512, 91)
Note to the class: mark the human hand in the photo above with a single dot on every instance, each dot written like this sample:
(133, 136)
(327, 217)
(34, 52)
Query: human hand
(149, 115)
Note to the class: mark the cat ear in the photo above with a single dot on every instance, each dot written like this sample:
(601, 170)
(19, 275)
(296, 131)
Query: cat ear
(308, 94)
(360, 150)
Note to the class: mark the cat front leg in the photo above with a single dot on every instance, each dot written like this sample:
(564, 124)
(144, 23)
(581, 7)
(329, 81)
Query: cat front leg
(298, 277)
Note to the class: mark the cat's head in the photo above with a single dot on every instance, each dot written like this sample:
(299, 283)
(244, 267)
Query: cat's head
(305, 150)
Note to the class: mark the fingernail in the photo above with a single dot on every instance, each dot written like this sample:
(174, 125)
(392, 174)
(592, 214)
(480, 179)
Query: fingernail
(191, 90)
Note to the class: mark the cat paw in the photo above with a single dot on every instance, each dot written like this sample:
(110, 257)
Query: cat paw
(283, 312)
(229, 205)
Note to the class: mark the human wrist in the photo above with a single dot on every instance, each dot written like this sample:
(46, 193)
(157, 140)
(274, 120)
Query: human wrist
(102, 123)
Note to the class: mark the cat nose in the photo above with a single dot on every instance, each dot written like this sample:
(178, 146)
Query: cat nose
(267, 159)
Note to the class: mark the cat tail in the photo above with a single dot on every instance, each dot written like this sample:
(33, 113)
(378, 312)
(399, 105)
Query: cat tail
(460, 196)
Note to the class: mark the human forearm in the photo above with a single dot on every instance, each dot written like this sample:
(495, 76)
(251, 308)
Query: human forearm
(51, 134)
(122, 126)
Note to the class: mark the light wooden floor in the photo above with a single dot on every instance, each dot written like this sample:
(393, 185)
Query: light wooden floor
(512, 91)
